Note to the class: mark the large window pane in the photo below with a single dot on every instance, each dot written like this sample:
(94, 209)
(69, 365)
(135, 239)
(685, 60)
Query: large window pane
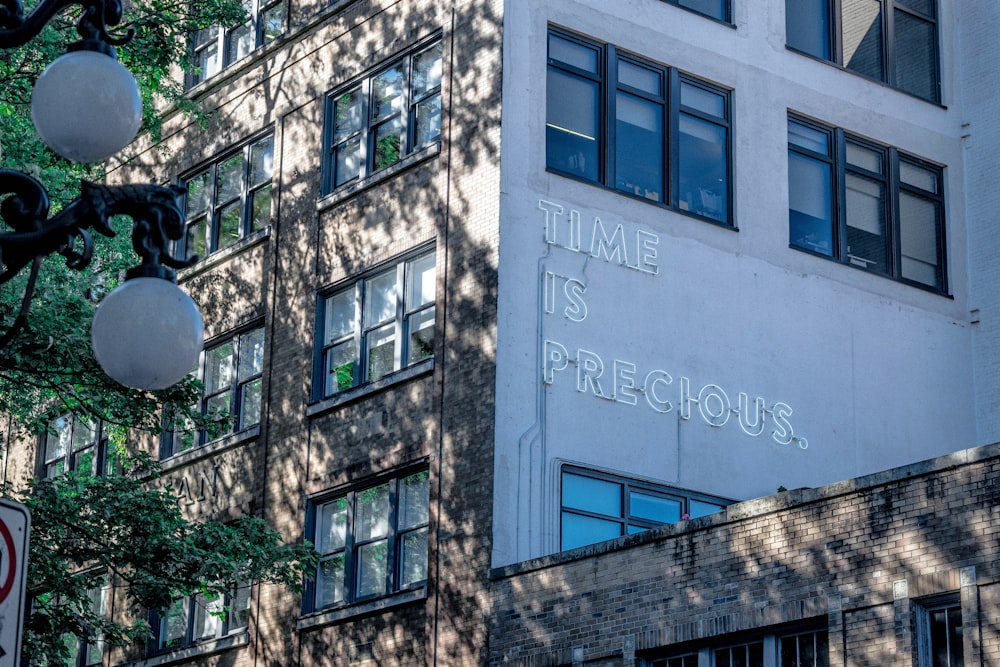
(807, 26)
(578, 531)
(251, 354)
(413, 501)
(420, 285)
(697, 508)
(339, 368)
(591, 494)
(918, 239)
(573, 53)
(331, 532)
(428, 117)
(702, 163)
(865, 214)
(339, 315)
(810, 204)
(372, 569)
(380, 299)
(229, 226)
(427, 70)
(387, 93)
(372, 513)
(218, 368)
(639, 146)
(862, 34)
(571, 127)
(381, 347)
(654, 508)
(916, 57)
(421, 342)
(388, 144)
(413, 554)
(330, 581)
(229, 178)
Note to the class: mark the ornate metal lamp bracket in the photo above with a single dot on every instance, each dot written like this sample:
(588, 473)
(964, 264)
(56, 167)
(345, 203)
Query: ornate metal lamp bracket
(154, 209)
(16, 29)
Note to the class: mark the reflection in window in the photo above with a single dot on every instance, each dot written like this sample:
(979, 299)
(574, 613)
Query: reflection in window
(214, 48)
(609, 117)
(866, 205)
(894, 41)
(372, 124)
(598, 507)
(373, 541)
(378, 325)
(229, 200)
(201, 617)
(78, 443)
(232, 375)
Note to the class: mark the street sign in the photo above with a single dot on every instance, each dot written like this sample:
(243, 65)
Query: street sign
(15, 524)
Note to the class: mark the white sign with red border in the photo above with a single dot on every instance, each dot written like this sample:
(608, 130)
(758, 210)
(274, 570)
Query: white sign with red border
(15, 525)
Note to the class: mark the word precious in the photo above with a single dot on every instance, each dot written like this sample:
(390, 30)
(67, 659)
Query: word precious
(623, 385)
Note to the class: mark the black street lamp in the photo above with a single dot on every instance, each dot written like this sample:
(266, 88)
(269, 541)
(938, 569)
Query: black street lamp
(147, 333)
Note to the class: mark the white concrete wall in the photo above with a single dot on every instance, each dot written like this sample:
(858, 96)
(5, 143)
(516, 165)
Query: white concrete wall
(978, 24)
(858, 373)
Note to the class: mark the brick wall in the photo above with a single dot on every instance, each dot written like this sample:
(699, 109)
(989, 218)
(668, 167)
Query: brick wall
(855, 558)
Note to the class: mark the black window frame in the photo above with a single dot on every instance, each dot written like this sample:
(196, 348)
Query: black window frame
(228, 624)
(222, 40)
(833, 15)
(356, 340)
(205, 205)
(177, 439)
(818, 641)
(927, 648)
(893, 161)
(365, 134)
(104, 462)
(669, 99)
(394, 577)
(626, 518)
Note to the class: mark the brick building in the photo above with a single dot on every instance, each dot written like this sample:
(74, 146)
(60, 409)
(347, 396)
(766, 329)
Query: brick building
(525, 310)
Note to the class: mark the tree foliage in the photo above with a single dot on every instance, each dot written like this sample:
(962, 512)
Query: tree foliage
(125, 528)
(128, 525)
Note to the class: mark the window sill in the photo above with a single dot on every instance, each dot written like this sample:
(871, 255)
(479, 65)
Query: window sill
(220, 256)
(326, 617)
(197, 651)
(347, 191)
(354, 393)
(210, 448)
(731, 226)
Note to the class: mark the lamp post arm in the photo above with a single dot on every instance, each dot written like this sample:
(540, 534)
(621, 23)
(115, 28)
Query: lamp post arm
(16, 29)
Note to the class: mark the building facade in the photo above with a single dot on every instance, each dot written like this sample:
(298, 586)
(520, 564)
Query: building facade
(529, 313)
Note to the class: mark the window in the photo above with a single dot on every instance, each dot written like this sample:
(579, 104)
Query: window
(742, 655)
(229, 200)
(865, 204)
(638, 127)
(809, 649)
(373, 541)
(88, 649)
(214, 48)
(716, 9)
(73, 442)
(939, 633)
(598, 507)
(373, 123)
(232, 376)
(198, 618)
(894, 41)
(379, 324)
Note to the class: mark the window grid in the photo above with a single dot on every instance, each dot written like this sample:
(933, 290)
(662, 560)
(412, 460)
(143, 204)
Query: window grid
(807, 649)
(231, 371)
(373, 123)
(380, 324)
(597, 507)
(866, 205)
(214, 48)
(229, 200)
(73, 442)
(198, 618)
(373, 541)
(639, 127)
(893, 41)
(742, 655)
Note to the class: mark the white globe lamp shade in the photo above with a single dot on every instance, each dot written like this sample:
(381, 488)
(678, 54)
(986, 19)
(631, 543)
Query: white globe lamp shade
(147, 333)
(86, 106)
